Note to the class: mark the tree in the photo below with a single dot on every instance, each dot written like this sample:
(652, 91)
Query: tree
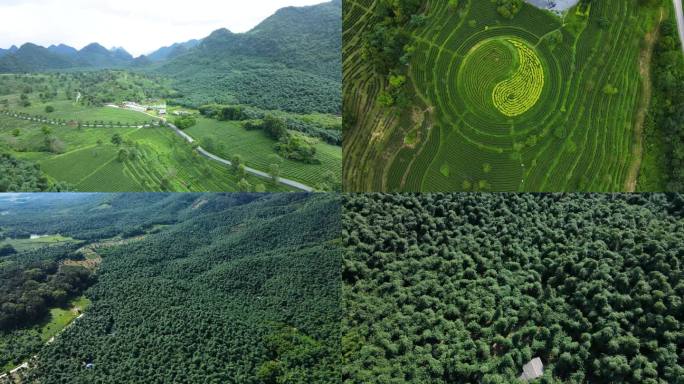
(185, 122)
(6, 250)
(453, 5)
(244, 186)
(123, 155)
(274, 171)
(54, 144)
(236, 162)
(242, 171)
(610, 90)
(49, 109)
(117, 139)
(274, 127)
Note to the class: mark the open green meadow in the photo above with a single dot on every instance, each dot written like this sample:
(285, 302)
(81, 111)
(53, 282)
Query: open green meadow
(67, 110)
(60, 318)
(229, 138)
(22, 245)
(537, 102)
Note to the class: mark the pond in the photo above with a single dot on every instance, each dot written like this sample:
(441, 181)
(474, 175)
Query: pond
(554, 5)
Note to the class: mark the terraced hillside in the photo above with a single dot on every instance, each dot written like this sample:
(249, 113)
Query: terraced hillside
(155, 158)
(536, 102)
(66, 122)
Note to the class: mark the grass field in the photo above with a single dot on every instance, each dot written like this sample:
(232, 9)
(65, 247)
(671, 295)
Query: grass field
(90, 161)
(60, 318)
(29, 244)
(536, 103)
(256, 149)
(68, 110)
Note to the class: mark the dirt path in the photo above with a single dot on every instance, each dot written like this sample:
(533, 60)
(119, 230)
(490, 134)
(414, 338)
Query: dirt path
(647, 90)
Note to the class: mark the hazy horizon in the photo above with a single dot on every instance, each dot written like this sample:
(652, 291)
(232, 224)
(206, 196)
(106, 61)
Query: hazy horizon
(161, 23)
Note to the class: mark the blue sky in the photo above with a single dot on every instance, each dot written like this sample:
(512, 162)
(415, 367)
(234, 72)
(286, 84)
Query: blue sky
(139, 26)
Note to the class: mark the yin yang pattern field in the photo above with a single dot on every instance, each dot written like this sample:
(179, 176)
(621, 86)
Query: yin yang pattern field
(504, 73)
(505, 104)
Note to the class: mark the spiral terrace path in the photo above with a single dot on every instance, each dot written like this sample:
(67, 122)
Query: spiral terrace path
(574, 137)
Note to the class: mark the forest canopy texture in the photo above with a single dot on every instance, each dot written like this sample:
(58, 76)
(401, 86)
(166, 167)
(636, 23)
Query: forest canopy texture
(208, 288)
(467, 288)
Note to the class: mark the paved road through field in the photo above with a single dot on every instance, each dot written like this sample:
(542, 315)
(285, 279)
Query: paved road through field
(256, 172)
(211, 156)
(679, 14)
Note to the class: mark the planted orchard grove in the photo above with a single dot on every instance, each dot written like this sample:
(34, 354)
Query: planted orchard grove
(533, 102)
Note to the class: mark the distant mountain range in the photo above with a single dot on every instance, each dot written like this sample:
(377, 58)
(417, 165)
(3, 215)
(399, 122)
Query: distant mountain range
(293, 36)
(34, 58)
(295, 52)
(172, 51)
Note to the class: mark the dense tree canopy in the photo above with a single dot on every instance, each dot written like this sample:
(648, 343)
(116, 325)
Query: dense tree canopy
(467, 288)
(221, 288)
(28, 290)
(666, 118)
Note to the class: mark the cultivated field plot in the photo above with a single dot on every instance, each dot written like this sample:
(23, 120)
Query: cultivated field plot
(539, 102)
(90, 162)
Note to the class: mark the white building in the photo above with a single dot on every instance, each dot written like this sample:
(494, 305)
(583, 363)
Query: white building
(135, 106)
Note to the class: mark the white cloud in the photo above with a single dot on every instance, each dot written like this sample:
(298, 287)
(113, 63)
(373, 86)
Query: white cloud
(140, 26)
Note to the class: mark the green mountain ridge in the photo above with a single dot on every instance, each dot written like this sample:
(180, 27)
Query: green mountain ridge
(291, 61)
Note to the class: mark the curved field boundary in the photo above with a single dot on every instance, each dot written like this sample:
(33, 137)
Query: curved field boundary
(183, 135)
(565, 121)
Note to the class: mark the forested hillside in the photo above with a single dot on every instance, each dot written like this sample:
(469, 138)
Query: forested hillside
(468, 288)
(291, 61)
(208, 288)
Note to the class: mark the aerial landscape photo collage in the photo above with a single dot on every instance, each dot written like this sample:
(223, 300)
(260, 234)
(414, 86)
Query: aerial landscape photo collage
(342, 191)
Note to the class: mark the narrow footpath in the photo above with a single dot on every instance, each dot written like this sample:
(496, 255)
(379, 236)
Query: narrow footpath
(645, 58)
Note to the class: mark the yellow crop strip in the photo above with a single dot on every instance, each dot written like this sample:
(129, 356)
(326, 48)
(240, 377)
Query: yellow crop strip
(516, 95)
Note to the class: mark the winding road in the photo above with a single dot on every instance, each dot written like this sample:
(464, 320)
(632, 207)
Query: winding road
(211, 156)
(679, 15)
(256, 172)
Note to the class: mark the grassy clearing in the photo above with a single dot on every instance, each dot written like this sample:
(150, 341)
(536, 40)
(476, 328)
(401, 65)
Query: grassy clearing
(29, 244)
(60, 318)
(256, 149)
